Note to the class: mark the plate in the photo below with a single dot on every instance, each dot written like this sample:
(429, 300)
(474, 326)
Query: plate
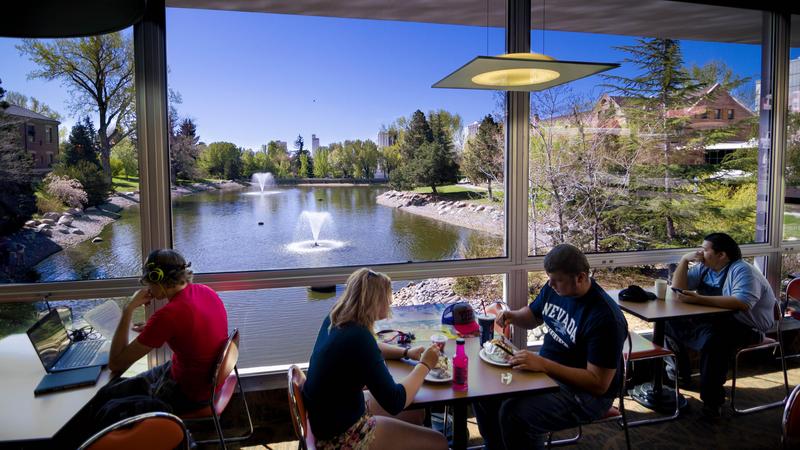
(433, 379)
(484, 356)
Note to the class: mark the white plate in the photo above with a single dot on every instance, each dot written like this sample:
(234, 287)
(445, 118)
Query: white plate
(433, 379)
(491, 361)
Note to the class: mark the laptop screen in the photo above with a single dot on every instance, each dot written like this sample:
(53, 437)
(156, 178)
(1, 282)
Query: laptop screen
(49, 338)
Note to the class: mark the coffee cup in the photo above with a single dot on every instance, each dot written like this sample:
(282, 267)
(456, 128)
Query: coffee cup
(661, 289)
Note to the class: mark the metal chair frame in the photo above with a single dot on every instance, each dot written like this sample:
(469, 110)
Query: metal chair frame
(301, 430)
(232, 340)
(621, 418)
(777, 344)
(133, 421)
(676, 388)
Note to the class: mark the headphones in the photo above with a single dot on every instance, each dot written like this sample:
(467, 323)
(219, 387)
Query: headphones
(154, 273)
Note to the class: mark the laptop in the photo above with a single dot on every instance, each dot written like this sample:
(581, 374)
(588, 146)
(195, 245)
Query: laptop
(58, 352)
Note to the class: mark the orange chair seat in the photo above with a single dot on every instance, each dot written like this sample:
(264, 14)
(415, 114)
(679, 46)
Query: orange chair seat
(644, 349)
(223, 396)
(149, 433)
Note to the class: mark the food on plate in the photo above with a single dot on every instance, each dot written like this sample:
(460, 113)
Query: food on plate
(442, 371)
(499, 350)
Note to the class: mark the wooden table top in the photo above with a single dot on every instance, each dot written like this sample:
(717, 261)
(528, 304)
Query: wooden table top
(23, 416)
(483, 379)
(654, 310)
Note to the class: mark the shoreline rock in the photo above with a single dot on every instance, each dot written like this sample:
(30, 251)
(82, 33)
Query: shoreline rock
(56, 231)
(476, 216)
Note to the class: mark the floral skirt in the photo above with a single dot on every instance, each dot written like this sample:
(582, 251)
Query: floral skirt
(358, 437)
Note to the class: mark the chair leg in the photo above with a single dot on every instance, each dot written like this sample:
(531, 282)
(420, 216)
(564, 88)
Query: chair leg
(246, 409)
(557, 443)
(218, 426)
(766, 405)
(674, 415)
(624, 422)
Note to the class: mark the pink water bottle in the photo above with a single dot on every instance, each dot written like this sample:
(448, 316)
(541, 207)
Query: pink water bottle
(460, 367)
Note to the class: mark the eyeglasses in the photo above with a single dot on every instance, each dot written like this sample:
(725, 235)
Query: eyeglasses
(396, 337)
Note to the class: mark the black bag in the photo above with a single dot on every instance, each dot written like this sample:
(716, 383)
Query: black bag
(634, 293)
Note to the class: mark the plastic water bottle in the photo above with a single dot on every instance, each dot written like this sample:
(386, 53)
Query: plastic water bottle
(460, 367)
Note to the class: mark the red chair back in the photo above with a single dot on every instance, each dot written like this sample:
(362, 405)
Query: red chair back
(297, 409)
(151, 431)
(791, 420)
(793, 289)
(223, 379)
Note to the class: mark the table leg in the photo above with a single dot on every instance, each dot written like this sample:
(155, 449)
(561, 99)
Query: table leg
(655, 395)
(459, 426)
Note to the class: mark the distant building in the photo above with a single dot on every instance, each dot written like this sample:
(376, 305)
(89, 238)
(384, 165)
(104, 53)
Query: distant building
(386, 138)
(471, 130)
(39, 135)
(282, 145)
(314, 144)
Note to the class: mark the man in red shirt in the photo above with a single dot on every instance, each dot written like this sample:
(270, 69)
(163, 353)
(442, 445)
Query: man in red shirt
(193, 323)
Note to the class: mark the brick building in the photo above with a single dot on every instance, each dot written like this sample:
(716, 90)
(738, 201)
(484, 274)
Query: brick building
(39, 136)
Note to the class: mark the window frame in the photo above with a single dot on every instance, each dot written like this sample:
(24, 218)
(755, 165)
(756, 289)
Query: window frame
(156, 219)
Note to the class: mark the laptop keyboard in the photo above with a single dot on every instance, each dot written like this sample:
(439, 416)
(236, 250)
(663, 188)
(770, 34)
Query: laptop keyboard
(83, 354)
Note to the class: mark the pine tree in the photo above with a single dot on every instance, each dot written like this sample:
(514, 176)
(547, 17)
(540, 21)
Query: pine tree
(662, 87)
(483, 156)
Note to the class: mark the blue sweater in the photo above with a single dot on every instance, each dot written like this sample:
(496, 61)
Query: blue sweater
(344, 361)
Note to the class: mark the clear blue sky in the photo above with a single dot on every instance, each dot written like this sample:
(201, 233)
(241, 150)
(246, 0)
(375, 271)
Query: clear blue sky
(250, 78)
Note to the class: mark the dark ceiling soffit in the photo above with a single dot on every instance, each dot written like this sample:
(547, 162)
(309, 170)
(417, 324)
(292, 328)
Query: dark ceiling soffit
(780, 6)
(68, 18)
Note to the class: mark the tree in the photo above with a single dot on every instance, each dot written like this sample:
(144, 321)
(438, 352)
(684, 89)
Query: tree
(366, 158)
(663, 86)
(342, 159)
(33, 104)
(322, 163)
(98, 70)
(81, 144)
(184, 150)
(450, 123)
(427, 154)
(128, 157)
(483, 156)
(17, 200)
(389, 159)
(79, 161)
(278, 159)
(222, 160)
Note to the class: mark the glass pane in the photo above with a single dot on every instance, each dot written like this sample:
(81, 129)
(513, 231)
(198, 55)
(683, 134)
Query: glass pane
(69, 171)
(618, 163)
(280, 326)
(329, 147)
(791, 214)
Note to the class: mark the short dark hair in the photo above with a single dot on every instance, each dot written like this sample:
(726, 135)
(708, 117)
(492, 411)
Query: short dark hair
(721, 242)
(567, 259)
(173, 265)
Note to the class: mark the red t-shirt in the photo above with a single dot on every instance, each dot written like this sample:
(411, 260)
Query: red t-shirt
(195, 325)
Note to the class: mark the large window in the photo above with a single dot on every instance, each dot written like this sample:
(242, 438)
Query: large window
(626, 160)
(73, 216)
(791, 214)
(325, 144)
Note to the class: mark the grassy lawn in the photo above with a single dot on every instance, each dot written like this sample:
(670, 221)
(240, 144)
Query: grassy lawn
(125, 185)
(791, 226)
(457, 192)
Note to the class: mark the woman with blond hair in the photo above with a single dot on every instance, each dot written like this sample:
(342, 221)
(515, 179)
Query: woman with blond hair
(347, 358)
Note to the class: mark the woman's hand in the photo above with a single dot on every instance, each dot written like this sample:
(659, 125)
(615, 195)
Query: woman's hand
(415, 353)
(431, 356)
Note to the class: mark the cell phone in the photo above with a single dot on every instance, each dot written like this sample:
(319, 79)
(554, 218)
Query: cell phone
(678, 290)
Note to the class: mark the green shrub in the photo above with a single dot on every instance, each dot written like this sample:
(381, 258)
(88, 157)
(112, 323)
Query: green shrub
(91, 178)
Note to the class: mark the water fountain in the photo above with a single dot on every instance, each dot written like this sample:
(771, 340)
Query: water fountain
(265, 181)
(315, 221)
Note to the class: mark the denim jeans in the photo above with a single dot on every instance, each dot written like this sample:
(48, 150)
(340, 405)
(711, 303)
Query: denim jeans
(523, 422)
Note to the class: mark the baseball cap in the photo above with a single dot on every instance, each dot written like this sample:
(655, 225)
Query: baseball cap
(462, 317)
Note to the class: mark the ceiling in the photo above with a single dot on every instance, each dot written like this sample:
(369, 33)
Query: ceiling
(649, 18)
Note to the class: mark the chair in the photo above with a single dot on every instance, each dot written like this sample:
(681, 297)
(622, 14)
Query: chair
(614, 414)
(302, 427)
(766, 343)
(790, 425)
(153, 431)
(643, 350)
(224, 381)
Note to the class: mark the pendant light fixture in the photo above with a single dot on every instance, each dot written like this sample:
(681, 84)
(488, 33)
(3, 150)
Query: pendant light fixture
(523, 72)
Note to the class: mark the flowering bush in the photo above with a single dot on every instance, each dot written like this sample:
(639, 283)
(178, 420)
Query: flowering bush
(67, 190)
